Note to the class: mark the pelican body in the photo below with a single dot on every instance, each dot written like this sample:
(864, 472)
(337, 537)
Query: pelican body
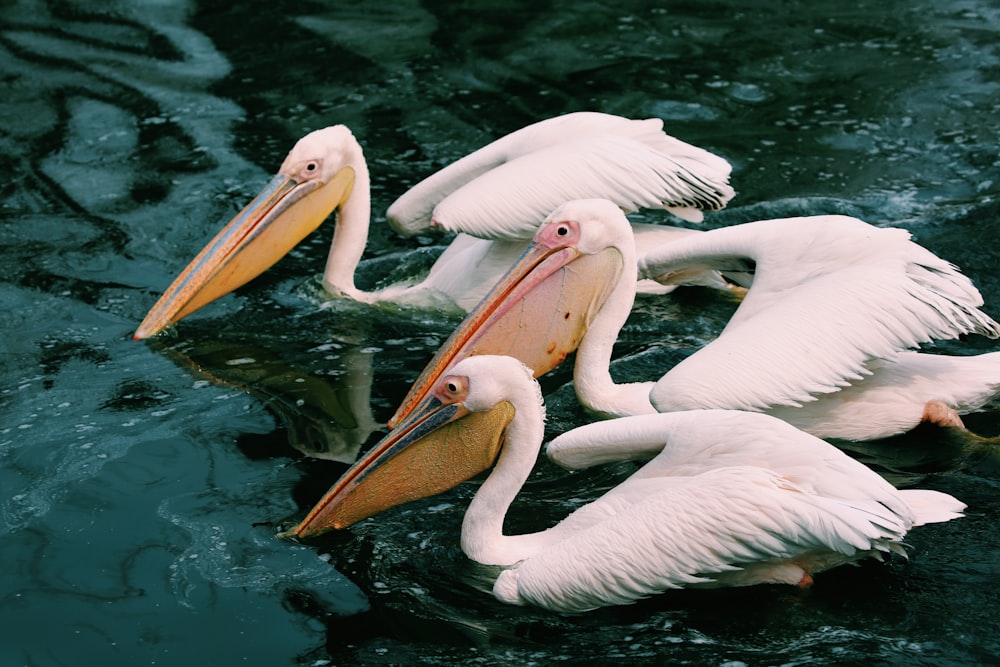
(824, 337)
(728, 498)
(493, 198)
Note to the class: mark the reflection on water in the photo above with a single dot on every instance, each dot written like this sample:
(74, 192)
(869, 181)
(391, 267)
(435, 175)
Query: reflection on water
(140, 484)
(326, 418)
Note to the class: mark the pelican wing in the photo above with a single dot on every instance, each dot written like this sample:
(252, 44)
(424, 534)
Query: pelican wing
(830, 294)
(684, 444)
(740, 524)
(511, 200)
(412, 212)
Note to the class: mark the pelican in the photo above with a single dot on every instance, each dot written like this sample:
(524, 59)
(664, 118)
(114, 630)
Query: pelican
(497, 196)
(823, 339)
(729, 498)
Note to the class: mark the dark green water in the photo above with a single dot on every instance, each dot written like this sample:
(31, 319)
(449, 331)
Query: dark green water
(141, 483)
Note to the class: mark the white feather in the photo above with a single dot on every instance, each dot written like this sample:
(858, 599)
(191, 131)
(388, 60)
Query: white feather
(505, 189)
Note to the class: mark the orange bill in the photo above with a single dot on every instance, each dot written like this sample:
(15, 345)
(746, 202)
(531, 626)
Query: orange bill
(277, 219)
(435, 450)
(538, 312)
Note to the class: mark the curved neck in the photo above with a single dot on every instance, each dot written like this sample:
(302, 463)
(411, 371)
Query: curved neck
(482, 529)
(350, 232)
(595, 388)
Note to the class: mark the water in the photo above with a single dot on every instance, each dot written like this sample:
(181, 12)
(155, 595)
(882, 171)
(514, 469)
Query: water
(141, 483)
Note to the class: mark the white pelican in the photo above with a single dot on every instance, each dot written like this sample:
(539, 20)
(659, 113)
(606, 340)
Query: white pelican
(498, 194)
(729, 498)
(821, 338)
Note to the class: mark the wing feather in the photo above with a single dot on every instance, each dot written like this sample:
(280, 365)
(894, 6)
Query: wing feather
(412, 212)
(691, 442)
(696, 531)
(511, 200)
(830, 294)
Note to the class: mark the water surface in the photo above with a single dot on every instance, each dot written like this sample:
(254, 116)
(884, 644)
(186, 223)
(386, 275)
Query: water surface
(141, 483)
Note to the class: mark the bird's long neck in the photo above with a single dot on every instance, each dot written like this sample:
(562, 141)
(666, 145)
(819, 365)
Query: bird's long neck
(595, 388)
(482, 529)
(350, 233)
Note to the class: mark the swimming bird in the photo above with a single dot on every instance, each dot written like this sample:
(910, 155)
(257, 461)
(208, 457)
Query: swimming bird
(495, 197)
(729, 498)
(823, 339)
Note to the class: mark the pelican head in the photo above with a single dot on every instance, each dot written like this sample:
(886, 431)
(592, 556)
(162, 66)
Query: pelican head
(316, 178)
(540, 310)
(455, 435)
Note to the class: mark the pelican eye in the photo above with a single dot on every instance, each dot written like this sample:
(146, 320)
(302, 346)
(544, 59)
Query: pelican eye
(308, 170)
(563, 230)
(452, 389)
